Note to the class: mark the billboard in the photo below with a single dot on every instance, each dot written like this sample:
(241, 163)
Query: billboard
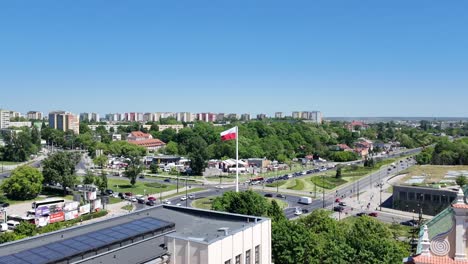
(71, 206)
(56, 217)
(84, 209)
(42, 220)
(71, 215)
(42, 211)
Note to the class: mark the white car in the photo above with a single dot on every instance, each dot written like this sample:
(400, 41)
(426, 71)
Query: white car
(167, 202)
(191, 196)
(178, 204)
(298, 211)
(183, 198)
(133, 199)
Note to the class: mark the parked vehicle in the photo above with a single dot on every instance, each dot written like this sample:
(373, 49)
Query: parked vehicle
(12, 224)
(150, 203)
(373, 214)
(141, 200)
(338, 209)
(305, 200)
(279, 195)
(3, 227)
(342, 203)
(151, 198)
(109, 191)
(268, 195)
(360, 214)
(167, 180)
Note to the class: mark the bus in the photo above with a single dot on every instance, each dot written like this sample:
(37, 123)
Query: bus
(48, 202)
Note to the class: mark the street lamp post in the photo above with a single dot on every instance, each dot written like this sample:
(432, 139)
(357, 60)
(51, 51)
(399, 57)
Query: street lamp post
(186, 192)
(177, 182)
(323, 191)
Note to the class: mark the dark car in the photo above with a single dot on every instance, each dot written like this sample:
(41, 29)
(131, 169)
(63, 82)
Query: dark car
(279, 195)
(305, 211)
(4, 205)
(141, 176)
(121, 195)
(150, 203)
(360, 214)
(338, 209)
(373, 214)
(410, 223)
(268, 195)
(167, 180)
(141, 200)
(109, 191)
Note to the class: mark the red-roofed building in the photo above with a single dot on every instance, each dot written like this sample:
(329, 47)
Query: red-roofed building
(145, 140)
(442, 240)
(344, 147)
(356, 126)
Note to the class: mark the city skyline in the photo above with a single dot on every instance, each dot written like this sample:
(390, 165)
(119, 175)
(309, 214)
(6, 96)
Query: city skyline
(344, 59)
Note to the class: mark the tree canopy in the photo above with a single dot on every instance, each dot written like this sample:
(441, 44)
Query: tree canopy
(25, 183)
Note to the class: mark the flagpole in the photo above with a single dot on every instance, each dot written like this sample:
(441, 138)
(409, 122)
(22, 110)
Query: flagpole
(237, 159)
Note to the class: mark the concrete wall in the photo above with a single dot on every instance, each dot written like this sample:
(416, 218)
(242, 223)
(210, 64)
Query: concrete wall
(218, 252)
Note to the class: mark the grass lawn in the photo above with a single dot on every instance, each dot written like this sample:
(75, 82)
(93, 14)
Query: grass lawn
(6, 163)
(282, 204)
(298, 185)
(118, 185)
(327, 182)
(114, 200)
(192, 190)
(276, 183)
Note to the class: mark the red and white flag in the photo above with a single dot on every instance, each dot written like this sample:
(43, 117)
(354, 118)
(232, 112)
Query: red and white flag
(229, 134)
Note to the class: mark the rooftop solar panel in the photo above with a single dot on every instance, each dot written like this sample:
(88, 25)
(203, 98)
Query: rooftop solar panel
(84, 243)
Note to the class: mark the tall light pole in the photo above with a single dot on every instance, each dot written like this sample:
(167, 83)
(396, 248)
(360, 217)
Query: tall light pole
(186, 192)
(323, 191)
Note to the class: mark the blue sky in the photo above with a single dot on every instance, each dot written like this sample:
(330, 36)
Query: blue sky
(345, 58)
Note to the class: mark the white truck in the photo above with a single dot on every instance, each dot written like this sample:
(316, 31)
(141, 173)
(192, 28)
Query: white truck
(305, 200)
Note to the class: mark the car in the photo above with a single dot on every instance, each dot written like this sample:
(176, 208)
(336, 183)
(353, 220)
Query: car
(305, 211)
(219, 187)
(298, 211)
(128, 194)
(141, 200)
(150, 203)
(279, 195)
(141, 176)
(178, 204)
(133, 199)
(151, 198)
(167, 180)
(373, 214)
(191, 196)
(338, 209)
(337, 200)
(109, 191)
(410, 223)
(183, 198)
(121, 195)
(268, 195)
(167, 202)
(360, 214)
(342, 203)
(4, 205)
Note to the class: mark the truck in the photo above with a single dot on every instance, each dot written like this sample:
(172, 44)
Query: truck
(305, 200)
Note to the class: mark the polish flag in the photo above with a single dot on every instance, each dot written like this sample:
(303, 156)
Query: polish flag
(229, 134)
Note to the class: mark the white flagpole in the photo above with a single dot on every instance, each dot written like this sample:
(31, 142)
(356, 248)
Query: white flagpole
(237, 159)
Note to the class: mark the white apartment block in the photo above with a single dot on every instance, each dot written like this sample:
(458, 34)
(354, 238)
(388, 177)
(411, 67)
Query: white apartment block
(4, 119)
(35, 115)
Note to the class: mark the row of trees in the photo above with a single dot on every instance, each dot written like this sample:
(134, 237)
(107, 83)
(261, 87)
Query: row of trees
(19, 146)
(445, 153)
(318, 238)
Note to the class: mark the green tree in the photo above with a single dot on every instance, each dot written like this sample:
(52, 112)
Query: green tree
(154, 168)
(247, 202)
(275, 212)
(100, 160)
(25, 183)
(133, 169)
(461, 181)
(26, 229)
(197, 153)
(338, 173)
(89, 178)
(60, 168)
(171, 148)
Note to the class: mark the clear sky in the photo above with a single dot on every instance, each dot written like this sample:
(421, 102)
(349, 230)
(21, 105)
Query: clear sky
(344, 58)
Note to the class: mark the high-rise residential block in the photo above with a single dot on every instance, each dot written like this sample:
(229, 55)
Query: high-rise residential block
(64, 121)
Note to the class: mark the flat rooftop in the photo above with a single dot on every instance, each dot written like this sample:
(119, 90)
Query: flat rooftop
(197, 225)
(433, 176)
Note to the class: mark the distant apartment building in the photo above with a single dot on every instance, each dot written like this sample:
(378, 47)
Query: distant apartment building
(233, 116)
(220, 116)
(20, 124)
(206, 117)
(175, 127)
(159, 115)
(34, 115)
(261, 116)
(148, 117)
(313, 116)
(4, 118)
(114, 117)
(184, 117)
(64, 121)
(245, 117)
(14, 114)
(279, 115)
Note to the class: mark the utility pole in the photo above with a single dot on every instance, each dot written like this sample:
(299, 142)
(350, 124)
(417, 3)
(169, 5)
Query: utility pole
(186, 192)
(380, 185)
(177, 182)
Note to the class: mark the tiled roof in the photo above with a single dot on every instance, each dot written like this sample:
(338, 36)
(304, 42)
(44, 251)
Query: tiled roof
(140, 134)
(462, 206)
(436, 260)
(148, 142)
